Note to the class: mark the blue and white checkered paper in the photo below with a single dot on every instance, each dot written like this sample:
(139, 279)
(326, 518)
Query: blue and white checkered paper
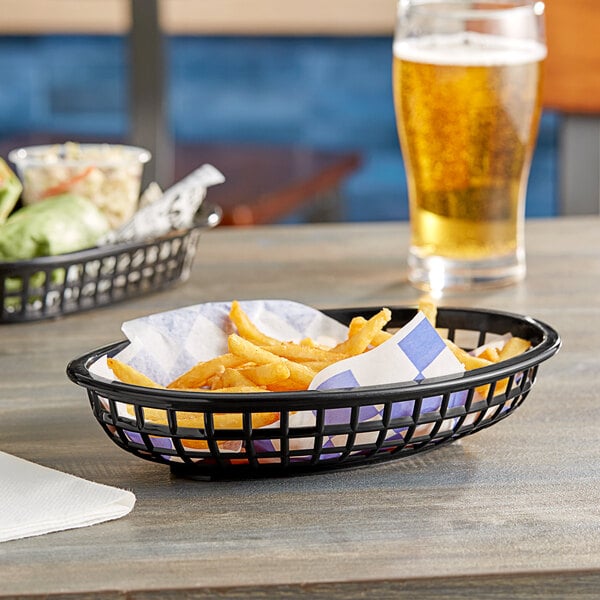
(414, 353)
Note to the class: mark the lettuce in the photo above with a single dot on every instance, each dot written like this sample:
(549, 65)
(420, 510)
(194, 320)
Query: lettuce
(60, 224)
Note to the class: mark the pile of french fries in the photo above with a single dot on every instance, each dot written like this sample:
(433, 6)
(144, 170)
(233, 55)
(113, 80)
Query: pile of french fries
(256, 362)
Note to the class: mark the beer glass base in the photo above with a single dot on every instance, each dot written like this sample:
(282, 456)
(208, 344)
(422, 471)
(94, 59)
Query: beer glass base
(437, 274)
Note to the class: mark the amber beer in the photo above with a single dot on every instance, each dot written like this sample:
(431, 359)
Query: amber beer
(467, 109)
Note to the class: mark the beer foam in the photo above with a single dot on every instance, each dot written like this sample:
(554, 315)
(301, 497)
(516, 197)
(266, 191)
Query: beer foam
(469, 49)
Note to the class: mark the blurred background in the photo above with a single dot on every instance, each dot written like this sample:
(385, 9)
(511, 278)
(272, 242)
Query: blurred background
(309, 75)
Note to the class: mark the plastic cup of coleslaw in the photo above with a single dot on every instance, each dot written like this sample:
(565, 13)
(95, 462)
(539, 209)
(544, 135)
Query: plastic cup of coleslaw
(110, 175)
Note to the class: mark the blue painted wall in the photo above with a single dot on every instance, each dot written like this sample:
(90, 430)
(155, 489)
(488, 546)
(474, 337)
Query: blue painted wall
(322, 92)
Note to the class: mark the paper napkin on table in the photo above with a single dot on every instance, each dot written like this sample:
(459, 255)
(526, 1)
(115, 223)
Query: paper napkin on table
(35, 500)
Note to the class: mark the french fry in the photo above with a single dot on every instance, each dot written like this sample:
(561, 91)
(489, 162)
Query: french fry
(212, 383)
(471, 362)
(319, 365)
(266, 374)
(300, 353)
(246, 328)
(220, 420)
(127, 374)
(429, 308)
(200, 373)
(513, 347)
(232, 378)
(360, 341)
(358, 323)
(476, 362)
(195, 444)
(253, 353)
(286, 385)
(468, 360)
(499, 388)
(249, 351)
(237, 389)
(307, 341)
(490, 354)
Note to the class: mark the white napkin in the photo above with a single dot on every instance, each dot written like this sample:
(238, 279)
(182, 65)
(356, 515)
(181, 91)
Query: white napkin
(165, 345)
(35, 500)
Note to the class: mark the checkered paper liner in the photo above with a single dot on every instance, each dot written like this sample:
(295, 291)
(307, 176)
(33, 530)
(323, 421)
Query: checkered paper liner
(329, 426)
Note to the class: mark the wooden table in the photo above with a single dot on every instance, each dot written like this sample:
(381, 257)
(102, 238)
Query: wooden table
(511, 512)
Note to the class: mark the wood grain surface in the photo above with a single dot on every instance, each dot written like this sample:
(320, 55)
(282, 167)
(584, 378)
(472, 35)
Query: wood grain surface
(511, 512)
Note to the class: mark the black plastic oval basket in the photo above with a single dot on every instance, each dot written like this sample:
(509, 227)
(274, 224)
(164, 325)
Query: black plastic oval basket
(54, 286)
(320, 430)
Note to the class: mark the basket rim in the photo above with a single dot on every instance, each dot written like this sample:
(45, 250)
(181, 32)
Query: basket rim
(208, 216)
(78, 371)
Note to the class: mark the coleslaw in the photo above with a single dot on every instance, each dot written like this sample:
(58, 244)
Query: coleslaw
(108, 174)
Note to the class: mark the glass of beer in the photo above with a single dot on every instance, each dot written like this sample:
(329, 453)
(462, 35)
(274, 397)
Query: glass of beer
(467, 81)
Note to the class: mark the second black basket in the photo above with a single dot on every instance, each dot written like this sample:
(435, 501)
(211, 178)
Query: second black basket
(54, 286)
